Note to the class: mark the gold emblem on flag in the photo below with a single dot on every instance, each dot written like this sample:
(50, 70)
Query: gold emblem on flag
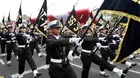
(136, 1)
(1, 77)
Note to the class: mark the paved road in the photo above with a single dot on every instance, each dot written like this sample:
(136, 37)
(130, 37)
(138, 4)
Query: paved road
(11, 72)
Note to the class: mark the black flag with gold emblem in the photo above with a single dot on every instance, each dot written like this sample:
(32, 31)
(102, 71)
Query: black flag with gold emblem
(72, 23)
(41, 20)
(19, 17)
(130, 42)
(89, 19)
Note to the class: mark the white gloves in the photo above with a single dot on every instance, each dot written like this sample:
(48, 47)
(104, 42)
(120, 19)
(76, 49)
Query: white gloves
(116, 36)
(76, 41)
(114, 42)
(102, 39)
(47, 66)
(70, 56)
(99, 45)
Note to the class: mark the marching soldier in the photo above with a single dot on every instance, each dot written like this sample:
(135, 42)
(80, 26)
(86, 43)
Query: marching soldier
(86, 61)
(34, 44)
(103, 52)
(3, 41)
(10, 44)
(59, 64)
(24, 53)
(88, 56)
(110, 51)
(48, 57)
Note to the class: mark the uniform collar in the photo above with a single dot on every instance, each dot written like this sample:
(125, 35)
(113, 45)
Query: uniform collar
(57, 37)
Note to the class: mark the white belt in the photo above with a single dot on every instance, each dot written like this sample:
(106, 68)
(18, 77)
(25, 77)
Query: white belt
(22, 46)
(86, 51)
(8, 41)
(2, 38)
(11, 41)
(57, 60)
(104, 46)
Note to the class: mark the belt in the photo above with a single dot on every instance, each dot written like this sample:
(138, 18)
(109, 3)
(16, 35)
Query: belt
(57, 60)
(86, 51)
(2, 38)
(11, 41)
(8, 41)
(22, 46)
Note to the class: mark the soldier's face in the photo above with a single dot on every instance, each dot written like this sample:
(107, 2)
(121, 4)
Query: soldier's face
(103, 31)
(23, 29)
(10, 29)
(55, 31)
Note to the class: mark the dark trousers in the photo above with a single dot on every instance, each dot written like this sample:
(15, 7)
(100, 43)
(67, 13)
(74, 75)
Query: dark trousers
(58, 71)
(112, 55)
(34, 45)
(104, 55)
(48, 57)
(87, 59)
(43, 40)
(3, 43)
(23, 56)
(11, 47)
(99, 61)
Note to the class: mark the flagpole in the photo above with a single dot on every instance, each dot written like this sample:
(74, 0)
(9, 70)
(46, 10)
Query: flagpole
(76, 3)
(21, 2)
(80, 18)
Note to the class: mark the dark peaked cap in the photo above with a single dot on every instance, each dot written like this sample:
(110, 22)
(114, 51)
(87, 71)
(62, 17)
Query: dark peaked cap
(9, 26)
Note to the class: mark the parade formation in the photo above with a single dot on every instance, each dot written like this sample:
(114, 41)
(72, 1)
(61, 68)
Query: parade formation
(107, 37)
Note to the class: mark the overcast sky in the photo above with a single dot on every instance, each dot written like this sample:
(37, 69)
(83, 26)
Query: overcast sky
(33, 6)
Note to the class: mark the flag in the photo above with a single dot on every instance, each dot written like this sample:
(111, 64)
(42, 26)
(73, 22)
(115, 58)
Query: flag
(72, 23)
(19, 17)
(9, 17)
(41, 20)
(62, 22)
(9, 20)
(90, 17)
(108, 4)
(130, 42)
(3, 20)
